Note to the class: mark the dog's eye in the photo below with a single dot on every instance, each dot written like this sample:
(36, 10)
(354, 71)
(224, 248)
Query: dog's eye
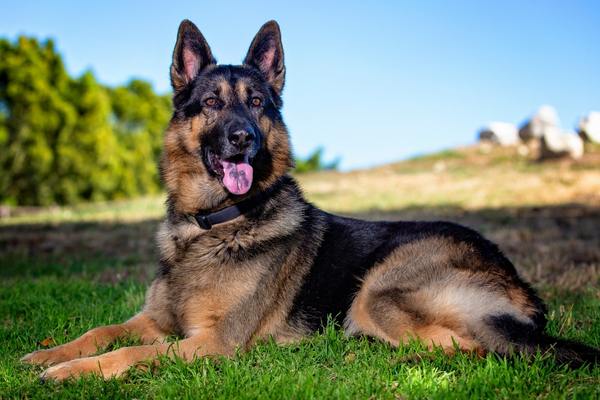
(211, 102)
(256, 102)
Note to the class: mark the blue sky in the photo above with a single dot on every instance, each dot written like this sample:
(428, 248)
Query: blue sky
(371, 83)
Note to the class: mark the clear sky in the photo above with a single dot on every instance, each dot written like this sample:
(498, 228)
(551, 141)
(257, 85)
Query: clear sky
(371, 82)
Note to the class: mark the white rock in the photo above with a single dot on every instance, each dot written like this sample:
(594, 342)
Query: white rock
(545, 117)
(589, 127)
(575, 144)
(502, 133)
(556, 143)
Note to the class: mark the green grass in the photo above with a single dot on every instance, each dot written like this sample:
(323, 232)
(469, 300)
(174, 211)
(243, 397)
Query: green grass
(63, 297)
(327, 365)
(64, 270)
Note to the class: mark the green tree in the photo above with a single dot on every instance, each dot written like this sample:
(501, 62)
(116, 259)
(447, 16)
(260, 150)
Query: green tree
(87, 156)
(36, 112)
(63, 140)
(139, 117)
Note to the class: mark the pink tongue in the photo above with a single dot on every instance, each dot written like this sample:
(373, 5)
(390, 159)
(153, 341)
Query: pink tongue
(238, 176)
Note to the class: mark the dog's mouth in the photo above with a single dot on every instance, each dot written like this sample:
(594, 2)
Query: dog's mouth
(235, 172)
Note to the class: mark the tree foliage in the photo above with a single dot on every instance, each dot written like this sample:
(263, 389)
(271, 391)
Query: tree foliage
(64, 139)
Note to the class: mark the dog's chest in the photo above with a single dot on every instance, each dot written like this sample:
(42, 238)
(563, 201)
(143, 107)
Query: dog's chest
(204, 306)
(189, 244)
(209, 277)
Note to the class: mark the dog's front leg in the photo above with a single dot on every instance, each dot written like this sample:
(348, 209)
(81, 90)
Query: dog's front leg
(117, 362)
(141, 326)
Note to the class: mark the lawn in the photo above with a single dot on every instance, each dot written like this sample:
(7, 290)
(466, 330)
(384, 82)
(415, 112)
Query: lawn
(66, 270)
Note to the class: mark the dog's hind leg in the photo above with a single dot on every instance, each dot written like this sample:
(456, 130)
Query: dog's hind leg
(381, 314)
(445, 293)
(140, 326)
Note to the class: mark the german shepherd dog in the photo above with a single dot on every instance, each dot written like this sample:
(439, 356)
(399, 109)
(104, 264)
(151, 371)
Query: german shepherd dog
(244, 257)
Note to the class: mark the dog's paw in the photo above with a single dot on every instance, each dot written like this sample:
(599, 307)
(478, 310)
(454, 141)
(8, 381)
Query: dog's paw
(46, 357)
(71, 369)
(60, 372)
(104, 366)
(40, 357)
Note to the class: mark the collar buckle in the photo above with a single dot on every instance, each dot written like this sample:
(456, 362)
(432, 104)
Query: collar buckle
(203, 221)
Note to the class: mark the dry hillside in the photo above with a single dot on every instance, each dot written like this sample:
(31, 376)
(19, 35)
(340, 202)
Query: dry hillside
(545, 216)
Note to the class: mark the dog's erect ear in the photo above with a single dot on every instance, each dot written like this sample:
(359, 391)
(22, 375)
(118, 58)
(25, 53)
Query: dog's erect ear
(190, 56)
(266, 54)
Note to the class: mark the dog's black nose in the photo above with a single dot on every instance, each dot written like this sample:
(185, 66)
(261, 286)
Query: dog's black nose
(241, 138)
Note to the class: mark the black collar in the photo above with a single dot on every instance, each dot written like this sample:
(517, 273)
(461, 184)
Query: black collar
(207, 220)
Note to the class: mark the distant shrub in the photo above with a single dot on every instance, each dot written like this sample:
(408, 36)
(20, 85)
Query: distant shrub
(315, 162)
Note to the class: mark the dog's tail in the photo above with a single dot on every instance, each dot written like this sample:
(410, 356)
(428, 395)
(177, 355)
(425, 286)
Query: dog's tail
(511, 334)
(569, 352)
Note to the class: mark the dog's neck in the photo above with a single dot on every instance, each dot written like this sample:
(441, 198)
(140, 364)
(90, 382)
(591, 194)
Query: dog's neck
(229, 210)
(206, 220)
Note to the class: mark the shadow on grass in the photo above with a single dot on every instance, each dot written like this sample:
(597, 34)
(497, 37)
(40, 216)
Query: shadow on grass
(550, 245)
(108, 251)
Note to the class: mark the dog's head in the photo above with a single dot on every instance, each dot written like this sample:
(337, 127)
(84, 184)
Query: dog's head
(226, 139)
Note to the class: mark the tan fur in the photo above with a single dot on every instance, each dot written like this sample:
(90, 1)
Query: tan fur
(226, 92)
(521, 301)
(158, 306)
(447, 339)
(241, 90)
(278, 144)
(274, 324)
(397, 327)
(206, 308)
